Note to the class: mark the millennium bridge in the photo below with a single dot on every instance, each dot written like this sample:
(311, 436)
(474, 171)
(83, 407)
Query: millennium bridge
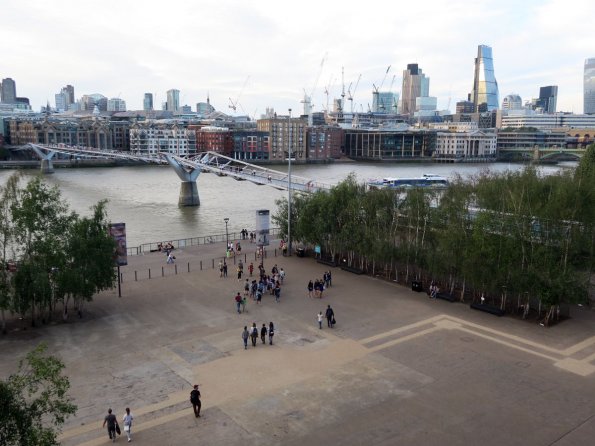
(187, 168)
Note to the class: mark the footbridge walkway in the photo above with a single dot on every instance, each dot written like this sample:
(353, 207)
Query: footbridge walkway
(189, 168)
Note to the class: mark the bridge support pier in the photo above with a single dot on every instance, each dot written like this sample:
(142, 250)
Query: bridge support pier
(188, 188)
(46, 159)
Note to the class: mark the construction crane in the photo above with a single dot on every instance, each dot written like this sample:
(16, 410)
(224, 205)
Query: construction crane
(327, 91)
(307, 101)
(376, 91)
(234, 104)
(351, 94)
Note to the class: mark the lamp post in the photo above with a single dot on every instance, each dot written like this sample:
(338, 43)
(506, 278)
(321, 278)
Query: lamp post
(226, 220)
(289, 184)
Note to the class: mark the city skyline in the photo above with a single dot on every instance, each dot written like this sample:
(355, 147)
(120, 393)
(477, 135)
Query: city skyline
(215, 48)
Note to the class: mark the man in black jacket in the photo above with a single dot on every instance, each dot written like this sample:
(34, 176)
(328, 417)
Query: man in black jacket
(195, 400)
(330, 316)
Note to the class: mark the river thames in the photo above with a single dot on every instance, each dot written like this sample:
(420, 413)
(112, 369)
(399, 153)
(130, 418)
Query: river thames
(146, 197)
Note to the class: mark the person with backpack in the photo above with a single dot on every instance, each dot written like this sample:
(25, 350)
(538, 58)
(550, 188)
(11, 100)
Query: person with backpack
(263, 333)
(238, 300)
(245, 336)
(254, 334)
(271, 333)
(195, 401)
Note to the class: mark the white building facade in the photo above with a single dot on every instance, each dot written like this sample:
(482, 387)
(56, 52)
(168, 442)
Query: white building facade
(476, 144)
(150, 138)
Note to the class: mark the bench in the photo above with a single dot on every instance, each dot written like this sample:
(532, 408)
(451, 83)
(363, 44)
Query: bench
(352, 270)
(327, 262)
(487, 308)
(446, 296)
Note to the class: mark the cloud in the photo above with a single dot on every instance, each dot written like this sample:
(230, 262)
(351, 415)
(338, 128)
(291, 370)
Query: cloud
(133, 47)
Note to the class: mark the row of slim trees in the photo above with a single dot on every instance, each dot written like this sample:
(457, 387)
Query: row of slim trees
(513, 237)
(49, 256)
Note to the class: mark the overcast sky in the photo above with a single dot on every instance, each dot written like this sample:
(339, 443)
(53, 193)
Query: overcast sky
(126, 48)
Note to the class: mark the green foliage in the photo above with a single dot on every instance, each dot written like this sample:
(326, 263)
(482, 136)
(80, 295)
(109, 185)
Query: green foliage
(60, 255)
(34, 402)
(515, 233)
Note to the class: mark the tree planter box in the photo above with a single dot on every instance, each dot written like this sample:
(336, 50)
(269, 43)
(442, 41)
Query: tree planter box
(327, 262)
(417, 286)
(487, 308)
(446, 296)
(352, 269)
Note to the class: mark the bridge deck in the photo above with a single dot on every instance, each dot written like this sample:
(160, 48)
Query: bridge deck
(206, 161)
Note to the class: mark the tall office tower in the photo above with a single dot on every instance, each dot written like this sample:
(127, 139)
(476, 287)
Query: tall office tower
(589, 86)
(61, 100)
(512, 102)
(415, 84)
(173, 100)
(464, 107)
(485, 87)
(8, 92)
(69, 90)
(548, 97)
(148, 102)
(65, 98)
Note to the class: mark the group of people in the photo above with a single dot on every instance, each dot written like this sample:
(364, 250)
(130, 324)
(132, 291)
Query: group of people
(113, 428)
(256, 289)
(316, 288)
(254, 332)
(329, 315)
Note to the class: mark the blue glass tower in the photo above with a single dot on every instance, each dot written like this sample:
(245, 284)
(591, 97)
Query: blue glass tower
(485, 88)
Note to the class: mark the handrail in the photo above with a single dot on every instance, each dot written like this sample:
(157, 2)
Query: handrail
(146, 248)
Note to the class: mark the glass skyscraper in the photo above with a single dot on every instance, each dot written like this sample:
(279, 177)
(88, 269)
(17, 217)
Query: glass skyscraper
(589, 86)
(485, 88)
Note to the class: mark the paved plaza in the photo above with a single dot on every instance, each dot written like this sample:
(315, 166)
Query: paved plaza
(398, 368)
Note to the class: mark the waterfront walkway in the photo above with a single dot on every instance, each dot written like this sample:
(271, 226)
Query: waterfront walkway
(398, 369)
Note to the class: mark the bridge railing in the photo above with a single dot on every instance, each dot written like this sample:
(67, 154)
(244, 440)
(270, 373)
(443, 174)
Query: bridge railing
(146, 248)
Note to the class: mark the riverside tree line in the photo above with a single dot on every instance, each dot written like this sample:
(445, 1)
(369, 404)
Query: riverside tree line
(50, 257)
(514, 238)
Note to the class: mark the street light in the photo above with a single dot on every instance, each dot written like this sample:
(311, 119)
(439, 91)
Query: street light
(289, 184)
(226, 220)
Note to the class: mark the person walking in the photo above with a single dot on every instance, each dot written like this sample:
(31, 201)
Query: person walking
(127, 421)
(310, 289)
(111, 421)
(244, 301)
(220, 268)
(271, 333)
(224, 268)
(251, 268)
(254, 334)
(195, 400)
(238, 300)
(282, 274)
(277, 292)
(170, 258)
(239, 270)
(330, 316)
(245, 336)
(263, 333)
(319, 315)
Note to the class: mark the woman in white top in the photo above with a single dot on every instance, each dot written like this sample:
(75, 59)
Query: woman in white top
(128, 423)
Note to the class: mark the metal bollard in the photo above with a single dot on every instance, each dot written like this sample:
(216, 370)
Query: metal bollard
(188, 266)
(149, 273)
(201, 265)
(135, 277)
(162, 272)
(176, 268)
(212, 261)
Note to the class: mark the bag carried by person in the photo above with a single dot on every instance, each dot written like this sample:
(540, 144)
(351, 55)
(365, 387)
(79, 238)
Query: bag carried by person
(118, 431)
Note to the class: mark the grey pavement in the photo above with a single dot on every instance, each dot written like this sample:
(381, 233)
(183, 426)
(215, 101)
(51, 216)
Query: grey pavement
(398, 368)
